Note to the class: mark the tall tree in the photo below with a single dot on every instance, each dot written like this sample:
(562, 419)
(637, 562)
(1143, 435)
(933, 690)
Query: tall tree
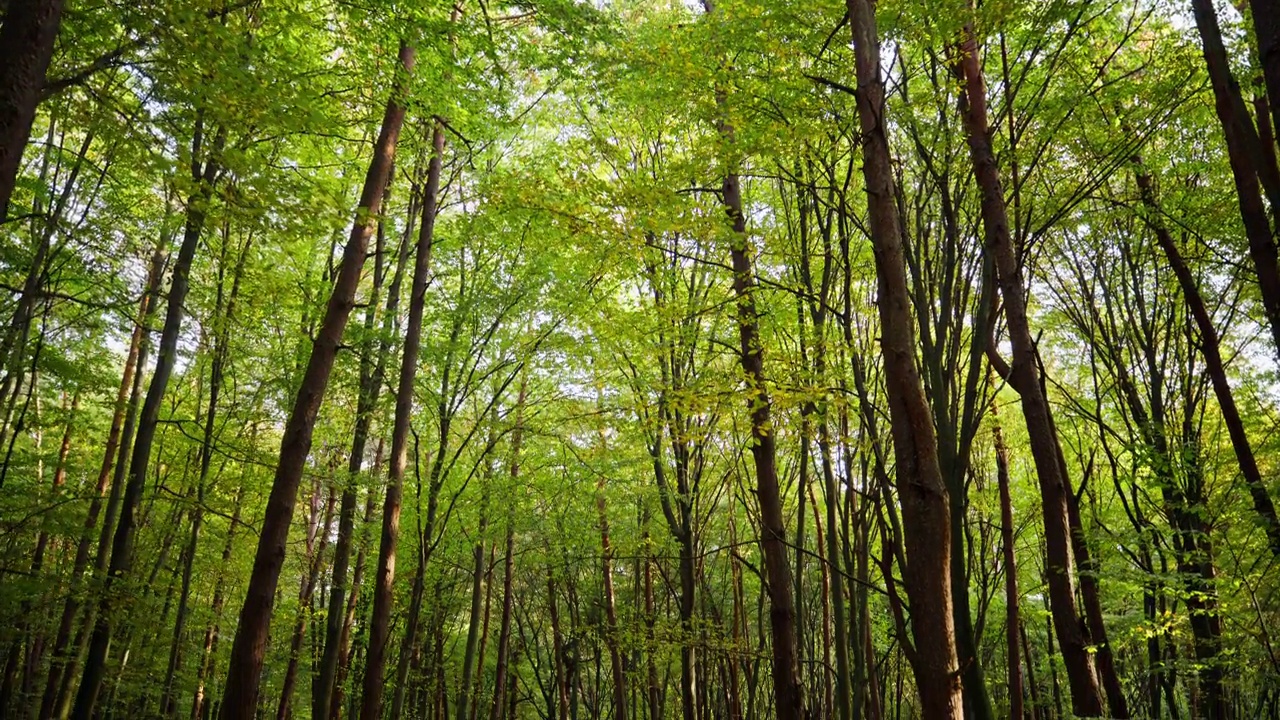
(249, 647)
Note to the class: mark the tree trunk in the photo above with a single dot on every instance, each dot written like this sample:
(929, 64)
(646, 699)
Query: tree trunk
(26, 47)
(610, 609)
(788, 693)
(371, 373)
(1086, 695)
(380, 623)
(923, 497)
(140, 459)
(504, 633)
(224, 315)
(211, 633)
(1248, 162)
(1013, 665)
(249, 646)
(71, 608)
(477, 600)
(1210, 348)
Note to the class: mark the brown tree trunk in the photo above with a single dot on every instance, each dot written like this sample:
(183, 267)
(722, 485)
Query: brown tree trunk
(1013, 664)
(788, 693)
(345, 652)
(508, 570)
(320, 541)
(71, 608)
(1210, 348)
(249, 646)
(504, 633)
(477, 600)
(26, 47)
(1089, 594)
(921, 492)
(1248, 162)
(1266, 25)
(610, 609)
(380, 623)
(224, 315)
(148, 424)
(557, 648)
(210, 647)
(1086, 694)
(371, 373)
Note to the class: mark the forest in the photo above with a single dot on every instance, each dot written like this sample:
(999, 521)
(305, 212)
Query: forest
(639, 359)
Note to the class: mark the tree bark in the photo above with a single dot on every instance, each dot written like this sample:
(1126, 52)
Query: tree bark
(1086, 694)
(921, 492)
(372, 371)
(1210, 348)
(1012, 599)
(788, 692)
(26, 48)
(1244, 153)
(380, 623)
(249, 647)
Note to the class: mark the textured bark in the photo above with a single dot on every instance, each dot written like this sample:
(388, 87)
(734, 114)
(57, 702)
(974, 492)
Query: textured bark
(249, 646)
(1266, 25)
(921, 492)
(380, 623)
(1086, 694)
(26, 47)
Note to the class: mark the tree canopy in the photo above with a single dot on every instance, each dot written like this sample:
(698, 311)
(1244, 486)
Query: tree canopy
(634, 360)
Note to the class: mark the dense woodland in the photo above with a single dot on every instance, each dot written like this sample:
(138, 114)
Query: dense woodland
(639, 359)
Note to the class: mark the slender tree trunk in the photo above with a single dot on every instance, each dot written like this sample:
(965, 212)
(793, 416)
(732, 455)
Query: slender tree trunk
(249, 646)
(508, 571)
(1210, 348)
(210, 647)
(1266, 25)
(1089, 594)
(610, 610)
(346, 653)
(477, 601)
(1086, 694)
(71, 608)
(26, 47)
(371, 373)
(140, 459)
(224, 315)
(504, 633)
(1248, 163)
(1012, 621)
(284, 708)
(380, 623)
(788, 693)
(921, 492)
